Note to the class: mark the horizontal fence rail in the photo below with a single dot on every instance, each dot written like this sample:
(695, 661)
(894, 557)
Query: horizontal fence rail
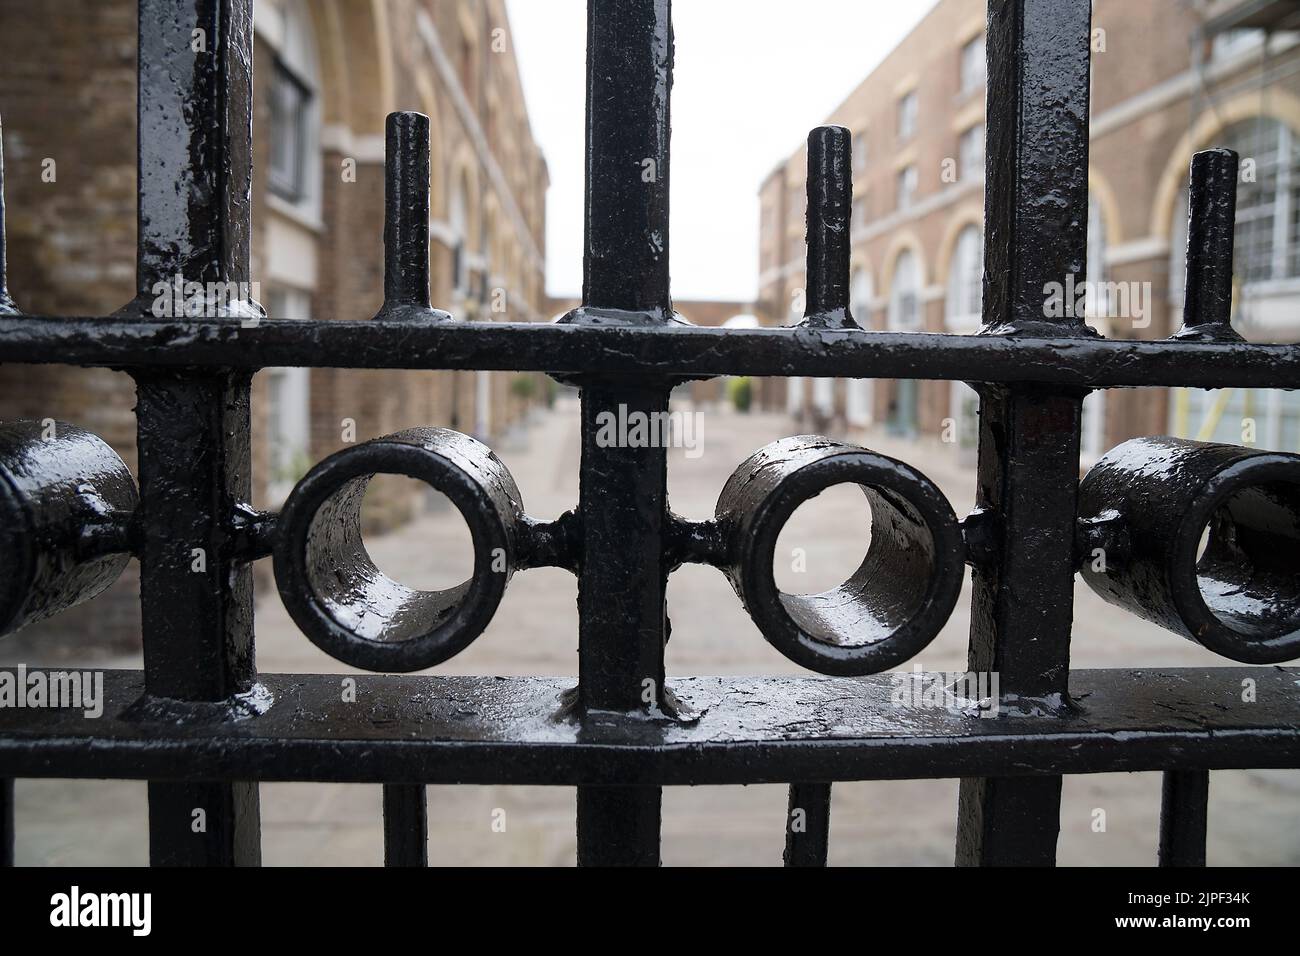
(204, 727)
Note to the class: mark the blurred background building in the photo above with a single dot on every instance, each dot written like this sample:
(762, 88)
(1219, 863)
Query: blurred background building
(1169, 78)
(326, 74)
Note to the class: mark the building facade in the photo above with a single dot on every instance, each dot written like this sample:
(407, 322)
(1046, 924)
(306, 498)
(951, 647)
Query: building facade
(326, 74)
(1170, 77)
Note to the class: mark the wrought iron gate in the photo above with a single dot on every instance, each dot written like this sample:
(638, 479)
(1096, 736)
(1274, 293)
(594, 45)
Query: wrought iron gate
(203, 726)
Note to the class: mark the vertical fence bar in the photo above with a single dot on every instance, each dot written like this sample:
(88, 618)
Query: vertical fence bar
(1184, 809)
(629, 75)
(195, 90)
(406, 825)
(807, 824)
(406, 218)
(1036, 213)
(1211, 229)
(830, 214)
(623, 493)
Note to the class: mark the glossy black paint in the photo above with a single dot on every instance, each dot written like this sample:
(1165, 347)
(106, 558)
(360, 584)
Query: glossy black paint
(524, 731)
(623, 490)
(1211, 226)
(352, 610)
(61, 490)
(1240, 596)
(1184, 809)
(899, 597)
(1035, 235)
(194, 139)
(202, 725)
(406, 825)
(807, 824)
(196, 594)
(618, 345)
(406, 220)
(830, 214)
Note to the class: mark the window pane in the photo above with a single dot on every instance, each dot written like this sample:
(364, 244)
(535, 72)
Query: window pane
(289, 100)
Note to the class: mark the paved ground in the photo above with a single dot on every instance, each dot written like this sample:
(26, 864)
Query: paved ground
(1254, 817)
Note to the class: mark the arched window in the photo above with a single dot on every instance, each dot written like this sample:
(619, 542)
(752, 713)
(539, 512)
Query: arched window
(294, 167)
(904, 295)
(965, 281)
(1267, 243)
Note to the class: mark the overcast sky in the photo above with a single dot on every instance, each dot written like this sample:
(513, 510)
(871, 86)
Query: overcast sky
(752, 77)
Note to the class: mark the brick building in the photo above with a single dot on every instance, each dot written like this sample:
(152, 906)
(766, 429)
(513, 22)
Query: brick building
(1170, 77)
(326, 74)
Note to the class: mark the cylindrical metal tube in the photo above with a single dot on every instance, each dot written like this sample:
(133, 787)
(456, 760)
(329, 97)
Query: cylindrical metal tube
(1211, 228)
(348, 607)
(406, 219)
(66, 499)
(901, 594)
(830, 212)
(1214, 542)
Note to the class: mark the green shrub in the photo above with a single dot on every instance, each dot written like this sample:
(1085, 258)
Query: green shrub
(741, 392)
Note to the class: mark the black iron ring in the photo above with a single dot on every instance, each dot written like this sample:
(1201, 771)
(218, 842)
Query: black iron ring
(348, 607)
(901, 594)
(1240, 595)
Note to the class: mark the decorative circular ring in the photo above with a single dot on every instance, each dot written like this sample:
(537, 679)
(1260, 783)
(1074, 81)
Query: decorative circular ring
(58, 485)
(901, 594)
(1240, 595)
(344, 604)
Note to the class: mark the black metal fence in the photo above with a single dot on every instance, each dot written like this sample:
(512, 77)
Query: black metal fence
(204, 727)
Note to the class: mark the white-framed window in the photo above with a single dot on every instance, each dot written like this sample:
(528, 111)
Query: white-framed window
(904, 295)
(293, 167)
(972, 64)
(906, 187)
(908, 106)
(290, 99)
(970, 153)
(965, 281)
(288, 419)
